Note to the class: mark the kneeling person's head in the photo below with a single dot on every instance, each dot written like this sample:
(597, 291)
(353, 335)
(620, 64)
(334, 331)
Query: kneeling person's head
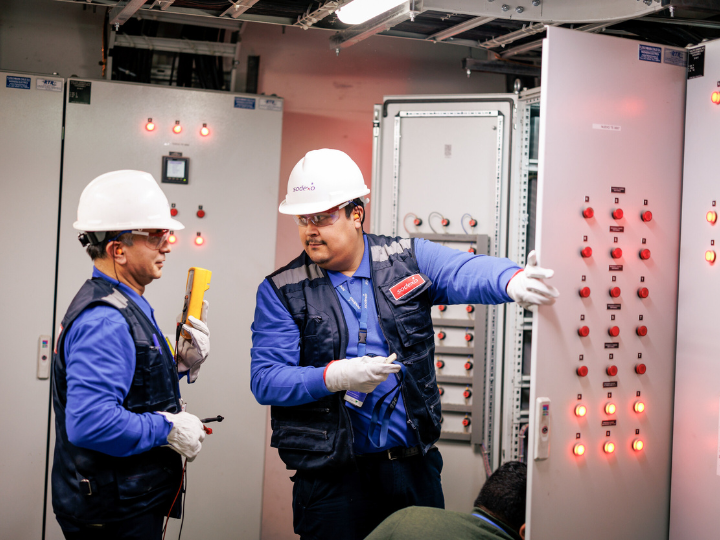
(504, 493)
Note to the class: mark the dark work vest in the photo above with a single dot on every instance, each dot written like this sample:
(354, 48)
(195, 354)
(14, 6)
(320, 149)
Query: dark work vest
(318, 435)
(92, 487)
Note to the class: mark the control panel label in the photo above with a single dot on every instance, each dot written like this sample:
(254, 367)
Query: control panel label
(696, 63)
(244, 103)
(647, 53)
(616, 267)
(612, 345)
(606, 423)
(79, 92)
(614, 306)
(49, 84)
(270, 104)
(607, 127)
(617, 190)
(610, 384)
(675, 57)
(17, 82)
(617, 229)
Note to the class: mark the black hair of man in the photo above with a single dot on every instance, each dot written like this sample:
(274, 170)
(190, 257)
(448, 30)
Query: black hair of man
(97, 251)
(504, 492)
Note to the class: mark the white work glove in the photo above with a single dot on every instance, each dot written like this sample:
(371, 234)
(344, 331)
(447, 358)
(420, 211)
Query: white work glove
(359, 374)
(526, 288)
(193, 352)
(186, 435)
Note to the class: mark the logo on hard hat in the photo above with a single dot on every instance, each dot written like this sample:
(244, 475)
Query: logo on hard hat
(304, 188)
(406, 285)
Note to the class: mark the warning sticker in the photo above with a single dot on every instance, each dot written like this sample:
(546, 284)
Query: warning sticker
(675, 57)
(244, 103)
(696, 62)
(47, 84)
(647, 53)
(17, 82)
(270, 104)
(79, 92)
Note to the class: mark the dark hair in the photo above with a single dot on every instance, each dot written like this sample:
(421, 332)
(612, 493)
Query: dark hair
(97, 251)
(503, 494)
(350, 207)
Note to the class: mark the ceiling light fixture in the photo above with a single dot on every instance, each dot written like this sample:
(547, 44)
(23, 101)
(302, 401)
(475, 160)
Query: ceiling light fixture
(359, 11)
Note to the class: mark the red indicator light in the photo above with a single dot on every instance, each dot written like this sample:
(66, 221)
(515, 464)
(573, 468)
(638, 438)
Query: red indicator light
(640, 369)
(441, 335)
(612, 371)
(715, 98)
(468, 337)
(579, 449)
(615, 292)
(610, 408)
(441, 390)
(201, 213)
(177, 128)
(585, 292)
(472, 250)
(470, 308)
(645, 254)
(588, 213)
(204, 131)
(711, 216)
(172, 239)
(580, 410)
(445, 222)
(646, 216)
(616, 253)
(199, 240)
(582, 371)
(468, 365)
(639, 407)
(710, 256)
(467, 393)
(173, 212)
(472, 223)
(643, 292)
(417, 221)
(150, 126)
(442, 307)
(641, 330)
(609, 447)
(586, 252)
(617, 213)
(466, 421)
(440, 364)
(614, 331)
(637, 445)
(583, 331)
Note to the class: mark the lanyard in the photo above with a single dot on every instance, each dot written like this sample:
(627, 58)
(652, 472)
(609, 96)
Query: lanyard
(385, 424)
(361, 310)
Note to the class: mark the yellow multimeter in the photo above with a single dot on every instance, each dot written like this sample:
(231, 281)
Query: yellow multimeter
(198, 281)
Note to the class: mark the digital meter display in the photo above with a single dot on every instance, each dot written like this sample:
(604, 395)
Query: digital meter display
(175, 170)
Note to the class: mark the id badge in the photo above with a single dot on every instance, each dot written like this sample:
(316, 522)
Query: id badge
(355, 398)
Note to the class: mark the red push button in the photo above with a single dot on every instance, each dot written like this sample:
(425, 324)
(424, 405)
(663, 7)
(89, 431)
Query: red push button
(586, 252)
(441, 390)
(582, 371)
(588, 213)
(173, 212)
(583, 331)
(615, 292)
(470, 308)
(468, 337)
(466, 421)
(641, 330)
(440, 364)
(441, 335)
(472, 222)
(643, 292)
(472, 250)
(612, 371)
(585, 292)
(467, 393)
(640, 369)
(646, 216)
(468, 365)
(417, 221)
(645, 254)
(616, 253)
(200, 212)
(613, 331)
(442, 307)
(617, 213)
(445, 222)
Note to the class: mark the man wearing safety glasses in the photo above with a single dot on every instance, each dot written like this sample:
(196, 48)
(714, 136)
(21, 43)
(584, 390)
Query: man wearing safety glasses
(120, 427)
(332, 327)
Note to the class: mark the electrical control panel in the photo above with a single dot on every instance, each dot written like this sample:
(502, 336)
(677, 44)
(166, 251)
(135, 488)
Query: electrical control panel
(696, 442)
(610, 171)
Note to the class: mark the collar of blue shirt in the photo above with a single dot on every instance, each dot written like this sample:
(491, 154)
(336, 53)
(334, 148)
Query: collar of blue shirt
(363, 271)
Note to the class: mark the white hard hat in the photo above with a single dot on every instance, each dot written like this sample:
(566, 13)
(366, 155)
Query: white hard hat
(321, 180)
(124, 200)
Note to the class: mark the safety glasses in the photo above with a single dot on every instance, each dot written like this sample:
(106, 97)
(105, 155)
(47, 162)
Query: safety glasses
(154, 239)
(322, 219)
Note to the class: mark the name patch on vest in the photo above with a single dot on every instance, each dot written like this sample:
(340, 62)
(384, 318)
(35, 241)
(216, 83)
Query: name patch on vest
(406, 285)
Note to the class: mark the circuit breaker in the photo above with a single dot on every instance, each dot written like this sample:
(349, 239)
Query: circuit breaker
(610, 172)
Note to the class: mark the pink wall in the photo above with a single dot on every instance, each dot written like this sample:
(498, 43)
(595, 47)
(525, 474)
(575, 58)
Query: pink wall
(329, 104)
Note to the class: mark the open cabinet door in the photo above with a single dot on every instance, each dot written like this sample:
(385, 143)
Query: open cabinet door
(610, 169)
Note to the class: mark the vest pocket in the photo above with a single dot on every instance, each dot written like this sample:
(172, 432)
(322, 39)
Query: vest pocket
(415, 327)
(152, 388)
(301, 438)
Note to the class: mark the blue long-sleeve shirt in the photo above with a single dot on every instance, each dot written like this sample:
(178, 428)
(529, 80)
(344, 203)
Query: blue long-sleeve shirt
(276, 379)
(100, 363)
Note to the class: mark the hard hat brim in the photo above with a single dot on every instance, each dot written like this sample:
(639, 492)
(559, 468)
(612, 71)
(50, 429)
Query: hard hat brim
(165, 223)
(318, 206)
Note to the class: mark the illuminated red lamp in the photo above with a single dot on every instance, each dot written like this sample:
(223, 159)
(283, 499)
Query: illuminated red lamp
(172, 238)
(580, 410)
(199, 240)
(711, 216)
(710, 256)
(715, 98)
(610, 408)
(639, 407)
(579, 449)
(204, 131)
(177, 128)
(609, 447)
(638, 445)
(150, 126)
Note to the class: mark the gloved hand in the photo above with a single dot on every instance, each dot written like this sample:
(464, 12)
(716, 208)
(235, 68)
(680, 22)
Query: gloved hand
(194, 351)
(186, 435)
(526, 288)
(359, 374)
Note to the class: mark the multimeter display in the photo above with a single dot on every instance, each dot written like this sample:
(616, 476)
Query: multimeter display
(175, 170)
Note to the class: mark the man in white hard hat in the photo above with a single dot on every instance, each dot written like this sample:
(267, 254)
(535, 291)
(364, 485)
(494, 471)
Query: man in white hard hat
(361, 441)
(120, 429)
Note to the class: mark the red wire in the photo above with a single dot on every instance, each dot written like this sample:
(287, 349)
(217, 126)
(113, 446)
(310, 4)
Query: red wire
(175, 499)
